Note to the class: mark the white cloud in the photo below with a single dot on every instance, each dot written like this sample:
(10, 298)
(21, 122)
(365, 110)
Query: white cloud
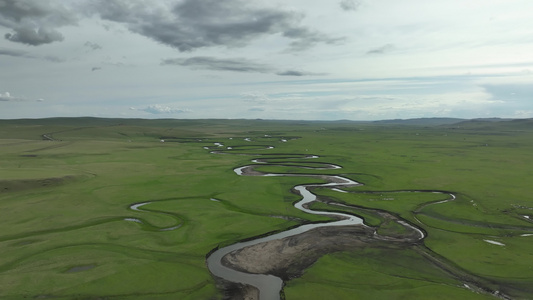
(256, 97)
(162, 109)
(349, 5)
(6, 97)
(522, 114)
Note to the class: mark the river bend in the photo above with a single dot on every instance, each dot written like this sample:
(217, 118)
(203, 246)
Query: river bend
(270, 286)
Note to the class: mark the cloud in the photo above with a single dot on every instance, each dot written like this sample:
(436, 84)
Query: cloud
(298, 73)
(95, 69)
(14, 53)
(34, 36)
(381, 50)
(92, 46)
(212, 63)
(22, 53)
(158, 109)
(192, 24)
(34, 22)
(231, 64)
(349, 5)
(53, 58)
(256, 109)
(305, 38)
(256, 97)
(7, 97)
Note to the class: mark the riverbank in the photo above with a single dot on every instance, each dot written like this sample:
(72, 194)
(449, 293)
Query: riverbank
(288, 257)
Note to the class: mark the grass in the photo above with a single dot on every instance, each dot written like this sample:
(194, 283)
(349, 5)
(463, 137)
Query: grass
(406, 276)
(66, 202)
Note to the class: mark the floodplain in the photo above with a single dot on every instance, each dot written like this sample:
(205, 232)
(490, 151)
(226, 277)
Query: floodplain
(129, 209)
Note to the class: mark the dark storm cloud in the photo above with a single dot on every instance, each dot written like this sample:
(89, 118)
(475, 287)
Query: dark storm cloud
(349, 5)
(193, 24)
(211, 63)
(381, 50)
(34, 22)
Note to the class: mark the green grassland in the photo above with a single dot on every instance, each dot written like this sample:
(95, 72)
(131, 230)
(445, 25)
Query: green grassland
(67, 230)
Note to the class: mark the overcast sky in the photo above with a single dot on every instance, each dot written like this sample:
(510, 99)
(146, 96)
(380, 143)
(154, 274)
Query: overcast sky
(287, 59)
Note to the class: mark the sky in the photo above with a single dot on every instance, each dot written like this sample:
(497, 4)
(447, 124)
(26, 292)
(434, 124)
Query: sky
(289, 59)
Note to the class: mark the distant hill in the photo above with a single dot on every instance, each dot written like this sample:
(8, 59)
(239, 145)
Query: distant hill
(481, 123)
(421, 121)
(493, 123)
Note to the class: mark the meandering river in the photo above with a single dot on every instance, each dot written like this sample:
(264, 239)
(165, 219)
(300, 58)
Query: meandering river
(270, 286)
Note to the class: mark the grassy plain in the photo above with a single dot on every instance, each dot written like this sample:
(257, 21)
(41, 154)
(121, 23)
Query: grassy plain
(67, 231)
